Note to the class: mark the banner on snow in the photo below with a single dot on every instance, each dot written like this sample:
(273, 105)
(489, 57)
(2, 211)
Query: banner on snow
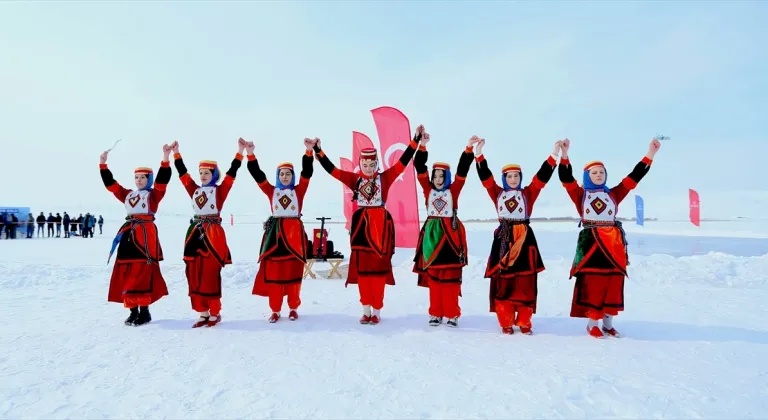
(349, 205)
(394, 131)
(694, 211)
(21, 213)
(640, 210)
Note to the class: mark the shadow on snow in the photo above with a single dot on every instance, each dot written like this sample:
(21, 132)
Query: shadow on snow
(479, 324)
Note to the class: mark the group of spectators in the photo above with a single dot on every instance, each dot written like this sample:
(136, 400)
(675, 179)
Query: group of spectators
(83, 225)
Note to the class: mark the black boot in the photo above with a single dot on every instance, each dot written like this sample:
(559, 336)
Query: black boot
(144, 316)
(133, 316)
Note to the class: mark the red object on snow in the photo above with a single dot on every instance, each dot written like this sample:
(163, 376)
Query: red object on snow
(318, 240)
(694, 207)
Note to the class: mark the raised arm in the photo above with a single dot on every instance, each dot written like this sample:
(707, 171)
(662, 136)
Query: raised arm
(544, 174)
(256, 172)
(420, 164)
(109, 181)
(484, 173)
(163, 178)
(186, 180)
(345, 177)
(229, 179)
(629, 182)
(307, 168)
(565, 173)
(394, 171)
(462, 169)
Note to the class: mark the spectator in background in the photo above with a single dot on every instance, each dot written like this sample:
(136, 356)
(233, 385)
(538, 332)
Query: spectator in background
(6, 225)
(40, 224)
(86, 223)
(4, 220)
(80, 224)
(89, 222)
(30, 225)
(101, 224)
(58, 225)
(14, 224)
(66, 225)
(50, 221)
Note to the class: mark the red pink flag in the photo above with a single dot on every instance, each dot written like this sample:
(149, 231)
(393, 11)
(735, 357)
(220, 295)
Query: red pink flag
(349, 206)
(394, 132)
(693, 207)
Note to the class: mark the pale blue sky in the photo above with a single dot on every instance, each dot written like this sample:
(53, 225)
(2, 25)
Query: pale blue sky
(75, 76)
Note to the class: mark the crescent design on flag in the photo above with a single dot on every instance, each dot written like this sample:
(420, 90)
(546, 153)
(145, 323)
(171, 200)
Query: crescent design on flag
(388, 154)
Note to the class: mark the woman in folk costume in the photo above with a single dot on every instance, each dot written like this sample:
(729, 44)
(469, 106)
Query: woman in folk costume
(136, 279)
(372, 230)
(600, 264)
(515, 261)
(205, 246)
(441, 252)
(283, 252)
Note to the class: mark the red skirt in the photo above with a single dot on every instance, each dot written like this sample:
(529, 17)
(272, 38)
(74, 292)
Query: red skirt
(136, 279)
(278, 271)
(283, 254)
(439, 275)
(372, 240)
(522, 290)
(598, 294)
(440, 252)
(366, 263)
(203, 276)
(207, 239)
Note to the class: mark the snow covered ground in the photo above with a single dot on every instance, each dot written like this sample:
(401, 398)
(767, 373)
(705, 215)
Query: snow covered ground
(695, 346)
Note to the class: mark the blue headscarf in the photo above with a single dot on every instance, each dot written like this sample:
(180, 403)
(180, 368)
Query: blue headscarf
(143, 170)
(150, 182)
(446, 176)
(214, 178)
(589, 185)
(506, 186)
(280, 185)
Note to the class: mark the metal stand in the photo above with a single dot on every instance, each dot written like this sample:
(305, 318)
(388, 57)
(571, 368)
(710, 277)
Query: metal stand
(320, 249)
(335, 260)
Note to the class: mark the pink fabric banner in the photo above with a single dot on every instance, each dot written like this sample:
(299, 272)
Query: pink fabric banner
(394, 131)
(349, 206)
(694, 207)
